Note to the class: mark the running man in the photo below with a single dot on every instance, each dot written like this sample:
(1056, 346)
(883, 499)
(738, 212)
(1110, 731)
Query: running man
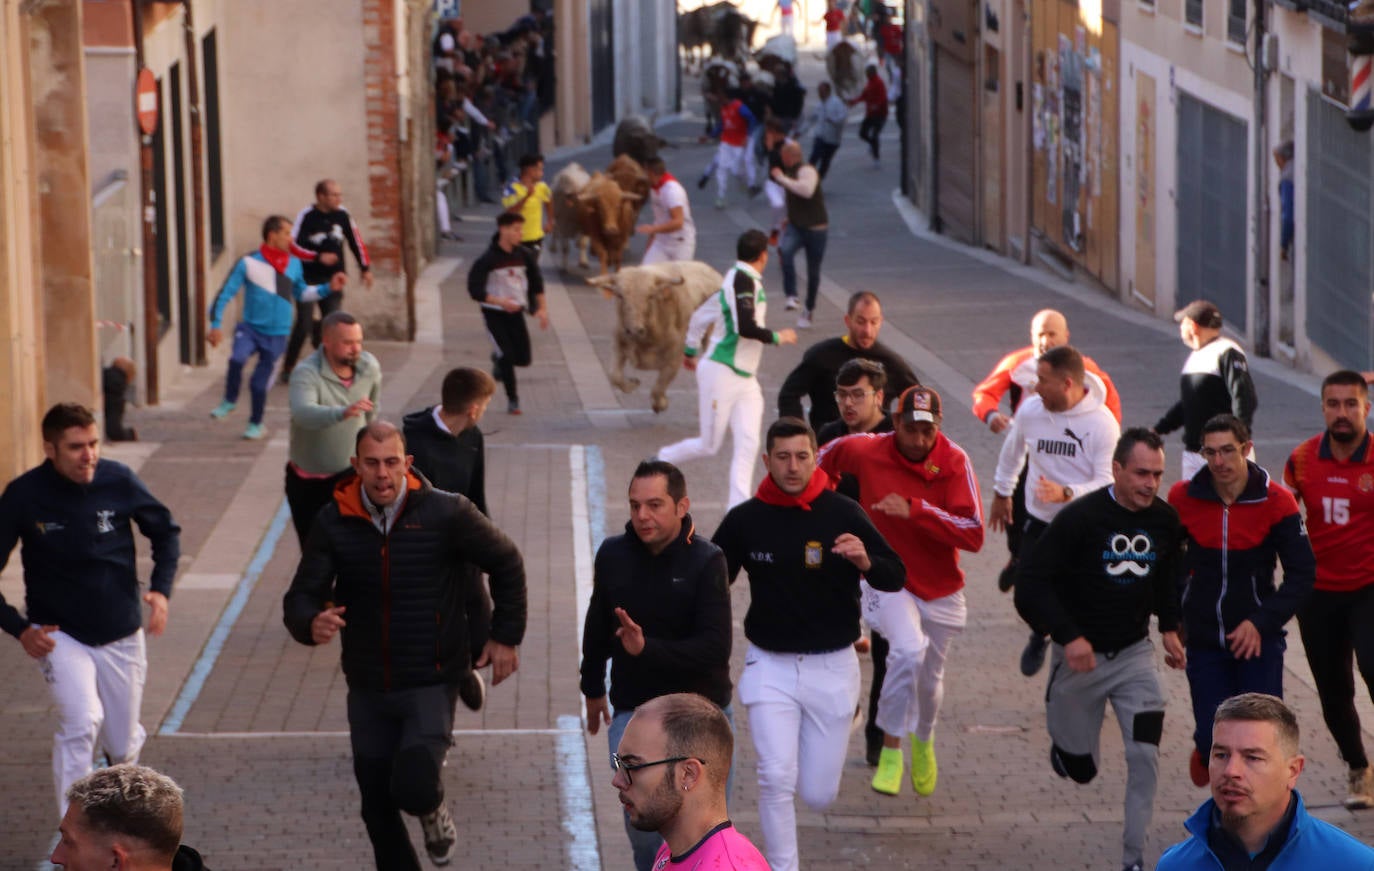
(919, 490)
(728, 392)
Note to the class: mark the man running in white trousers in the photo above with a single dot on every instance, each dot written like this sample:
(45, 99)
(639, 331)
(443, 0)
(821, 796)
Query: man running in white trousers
(728, 393)
(75, 515)
(805, 548)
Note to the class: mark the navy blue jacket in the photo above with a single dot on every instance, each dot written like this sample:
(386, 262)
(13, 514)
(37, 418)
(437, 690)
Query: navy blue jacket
(78, 553)
(1311, 843)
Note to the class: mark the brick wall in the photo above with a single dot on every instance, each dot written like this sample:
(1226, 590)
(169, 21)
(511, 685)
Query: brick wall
(383, 146)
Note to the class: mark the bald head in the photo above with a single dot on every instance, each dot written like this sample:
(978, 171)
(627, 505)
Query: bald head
(1049, 329)
(791, 153)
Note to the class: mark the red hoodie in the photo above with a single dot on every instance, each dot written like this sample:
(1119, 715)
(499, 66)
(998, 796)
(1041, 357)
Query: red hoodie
(941, 493)
(874, 97)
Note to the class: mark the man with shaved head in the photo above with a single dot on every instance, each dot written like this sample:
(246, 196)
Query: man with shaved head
(386, 564)
(806, 227)
(1014, 376)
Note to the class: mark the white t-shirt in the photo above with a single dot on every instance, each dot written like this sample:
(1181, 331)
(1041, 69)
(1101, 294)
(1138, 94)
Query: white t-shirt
(669, 195)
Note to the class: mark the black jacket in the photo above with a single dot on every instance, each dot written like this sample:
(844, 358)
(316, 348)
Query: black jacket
(78, 550)
(455, 463)
(681, 599)
(404, 591)
(1215, 380)
(802, 597)
(815, 377)
(1099, 570)
(188, 859)
(316, 233)
(495, 259)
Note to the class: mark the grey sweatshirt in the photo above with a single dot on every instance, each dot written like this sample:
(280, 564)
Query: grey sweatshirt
(321, 438)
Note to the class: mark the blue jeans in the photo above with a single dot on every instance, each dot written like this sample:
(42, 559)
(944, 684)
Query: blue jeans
(1215, 675)
(794, 237)
(247, 342)
(645, 844)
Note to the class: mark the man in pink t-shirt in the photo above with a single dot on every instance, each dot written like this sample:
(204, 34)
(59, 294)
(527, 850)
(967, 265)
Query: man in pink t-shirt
(671, 770)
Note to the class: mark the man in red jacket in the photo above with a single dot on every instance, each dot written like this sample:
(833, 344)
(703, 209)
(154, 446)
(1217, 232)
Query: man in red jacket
(874, 98)
(919, 489)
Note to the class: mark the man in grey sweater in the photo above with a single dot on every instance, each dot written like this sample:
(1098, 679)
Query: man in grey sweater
(334, 393)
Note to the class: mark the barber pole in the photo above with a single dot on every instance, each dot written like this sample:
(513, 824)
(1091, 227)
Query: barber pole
(1360, 115)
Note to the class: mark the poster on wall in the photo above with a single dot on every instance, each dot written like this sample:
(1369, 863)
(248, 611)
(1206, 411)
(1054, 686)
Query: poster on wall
(1071, 121)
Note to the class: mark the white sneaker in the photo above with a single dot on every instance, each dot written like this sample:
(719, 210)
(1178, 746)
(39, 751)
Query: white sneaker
(793, 303)
(804, 322)
(1360, 793)
(441, 835)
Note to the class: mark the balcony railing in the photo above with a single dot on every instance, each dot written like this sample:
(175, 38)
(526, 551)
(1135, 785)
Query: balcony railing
(1329, 13)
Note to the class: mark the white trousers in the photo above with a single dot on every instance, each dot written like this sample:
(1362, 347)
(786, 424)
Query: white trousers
(441, 208)
(832, 39)
(733, 160)
(919, 634)
(801, 707)
(667, 248)
(724, 399)
(98, 692)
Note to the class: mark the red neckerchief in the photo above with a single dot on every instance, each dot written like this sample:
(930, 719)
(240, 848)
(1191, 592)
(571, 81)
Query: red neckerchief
(279, 259)
(770, 493)
(667, 177)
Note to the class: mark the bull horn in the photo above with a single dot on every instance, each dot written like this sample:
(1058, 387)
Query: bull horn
(626, 195)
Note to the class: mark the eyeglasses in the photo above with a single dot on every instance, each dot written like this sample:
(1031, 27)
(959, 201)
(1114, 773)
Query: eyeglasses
(853, 395)
(1226, 452)
(629, 767)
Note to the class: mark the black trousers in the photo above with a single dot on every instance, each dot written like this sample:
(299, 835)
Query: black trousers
(1336, 629)
(400, 739)
(875, 690)
(821, 155)
(869, 128)
(306, 324)
(1018, 513)
(306, 496)
(1031, 531)
(512, 340)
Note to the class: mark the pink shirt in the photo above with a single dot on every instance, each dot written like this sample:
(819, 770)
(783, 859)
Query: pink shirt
(723, 849)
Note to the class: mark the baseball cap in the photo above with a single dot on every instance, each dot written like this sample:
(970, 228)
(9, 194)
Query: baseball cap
(1200, 312)
(918, 404)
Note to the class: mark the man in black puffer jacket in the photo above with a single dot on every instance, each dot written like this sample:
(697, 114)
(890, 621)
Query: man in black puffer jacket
(387, 562)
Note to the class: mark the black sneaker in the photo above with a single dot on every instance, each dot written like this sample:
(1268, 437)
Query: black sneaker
(441, 835)
(701, 182)
(473, 691)
(873, 746)
(1006, 579)
(1033, 657)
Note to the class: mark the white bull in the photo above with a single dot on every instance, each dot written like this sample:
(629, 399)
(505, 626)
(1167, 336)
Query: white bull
(653, 306)
(567, 232)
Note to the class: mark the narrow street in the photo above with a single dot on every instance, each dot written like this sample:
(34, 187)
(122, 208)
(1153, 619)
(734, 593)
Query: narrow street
(252, 724)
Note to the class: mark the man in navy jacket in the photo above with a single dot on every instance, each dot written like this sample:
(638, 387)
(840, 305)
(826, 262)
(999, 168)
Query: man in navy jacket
(83, 620)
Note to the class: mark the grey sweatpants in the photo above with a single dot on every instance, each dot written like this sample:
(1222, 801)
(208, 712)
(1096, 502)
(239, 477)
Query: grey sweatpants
(1075, 703)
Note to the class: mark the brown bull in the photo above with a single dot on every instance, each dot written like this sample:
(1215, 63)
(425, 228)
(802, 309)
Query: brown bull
(606, 215)
(653, 306)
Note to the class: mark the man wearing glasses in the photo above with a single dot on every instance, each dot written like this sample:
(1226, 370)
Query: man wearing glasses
(814, 377)
(671, 770)
(1237, 519)
(660, 613)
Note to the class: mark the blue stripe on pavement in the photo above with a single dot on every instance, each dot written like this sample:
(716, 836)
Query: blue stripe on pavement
(596, 495)
(206, 663)
(575, 796)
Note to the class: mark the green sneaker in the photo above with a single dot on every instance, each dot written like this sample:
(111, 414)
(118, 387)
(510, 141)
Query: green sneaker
(254, 431)
(888, 778)
(221, 411)
(924, 771)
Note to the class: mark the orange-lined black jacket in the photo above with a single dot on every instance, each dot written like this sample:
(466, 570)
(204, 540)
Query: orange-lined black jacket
(403, 591)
